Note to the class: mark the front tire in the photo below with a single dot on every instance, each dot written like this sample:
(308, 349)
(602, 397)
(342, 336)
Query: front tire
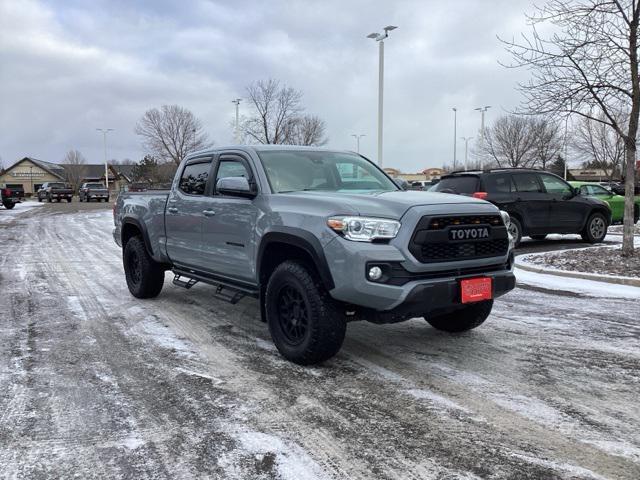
(305, 323)
(515, 229)
(466, 318)
(596, 228)
(9, 205)
(144, 275)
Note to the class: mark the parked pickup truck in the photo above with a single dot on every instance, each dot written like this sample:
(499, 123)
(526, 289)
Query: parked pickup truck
(322, 238)
(93, 191)
(51, 191)
(9, 196)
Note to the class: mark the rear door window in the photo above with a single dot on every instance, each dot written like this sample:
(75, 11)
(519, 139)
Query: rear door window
(498, 183)
(527, 182)
(194, 178)
(459, 184)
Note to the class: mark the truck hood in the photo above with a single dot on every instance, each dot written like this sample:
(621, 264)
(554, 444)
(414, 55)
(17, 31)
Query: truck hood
(381, 204)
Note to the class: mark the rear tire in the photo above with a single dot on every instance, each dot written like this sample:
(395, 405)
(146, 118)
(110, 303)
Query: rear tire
(537, 237)
(69, 200)
(305, 323)
(144, 275)
(9, 205)
(595, 229)
(467, 318)
(39, 198)
(515, 229)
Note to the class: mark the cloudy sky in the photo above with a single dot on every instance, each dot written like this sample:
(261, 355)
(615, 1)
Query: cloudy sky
(68, 67)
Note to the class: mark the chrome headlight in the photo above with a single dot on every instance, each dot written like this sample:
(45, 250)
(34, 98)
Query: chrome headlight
(506, 219)
(364, 229)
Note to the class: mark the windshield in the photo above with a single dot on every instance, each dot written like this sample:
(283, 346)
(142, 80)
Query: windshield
(457, 184)
(95, 185)
(294, 171)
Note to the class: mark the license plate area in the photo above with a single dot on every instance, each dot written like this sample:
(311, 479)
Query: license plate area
(476, 289)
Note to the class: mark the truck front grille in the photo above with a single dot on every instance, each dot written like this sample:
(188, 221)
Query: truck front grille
(449, 251)
(431, 244)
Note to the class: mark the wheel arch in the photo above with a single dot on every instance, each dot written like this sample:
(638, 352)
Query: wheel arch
(132, 227)
(291, 244)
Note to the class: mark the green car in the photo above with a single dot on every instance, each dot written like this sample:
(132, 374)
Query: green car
(616, 202)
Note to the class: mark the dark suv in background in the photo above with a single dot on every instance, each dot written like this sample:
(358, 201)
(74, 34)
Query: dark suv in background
(539, 202)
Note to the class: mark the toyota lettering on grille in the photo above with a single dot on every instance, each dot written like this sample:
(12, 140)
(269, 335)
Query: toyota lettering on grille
(469, 233)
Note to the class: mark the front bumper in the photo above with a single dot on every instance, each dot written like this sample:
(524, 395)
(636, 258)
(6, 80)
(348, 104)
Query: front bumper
(430, 288)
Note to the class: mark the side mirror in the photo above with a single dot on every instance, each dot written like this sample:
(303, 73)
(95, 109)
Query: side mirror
(236, 187)
(575, 191)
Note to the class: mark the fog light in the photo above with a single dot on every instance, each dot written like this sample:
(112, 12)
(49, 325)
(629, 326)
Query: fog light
(375, 273)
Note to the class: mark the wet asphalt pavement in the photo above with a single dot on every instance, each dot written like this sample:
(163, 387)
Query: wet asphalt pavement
(95, 383)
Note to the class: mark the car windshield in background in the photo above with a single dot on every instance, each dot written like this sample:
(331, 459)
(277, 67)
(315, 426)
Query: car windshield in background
(294, 171)
(459, 184)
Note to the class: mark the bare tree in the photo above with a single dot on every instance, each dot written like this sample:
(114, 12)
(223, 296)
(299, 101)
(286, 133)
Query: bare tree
(547, 141)
(587, 66)
(306, 130)
(171, 133)
(275, 108)
(75, 169)
(510, 142)
(600, 144)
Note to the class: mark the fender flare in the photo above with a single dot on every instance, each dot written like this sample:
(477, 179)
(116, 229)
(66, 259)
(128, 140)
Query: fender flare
(143, 230)
(302, 239)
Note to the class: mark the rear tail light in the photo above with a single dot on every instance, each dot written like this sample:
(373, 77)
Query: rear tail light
(6, 192)
(480, 195)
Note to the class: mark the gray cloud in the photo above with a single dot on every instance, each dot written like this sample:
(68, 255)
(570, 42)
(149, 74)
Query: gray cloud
(69, 67)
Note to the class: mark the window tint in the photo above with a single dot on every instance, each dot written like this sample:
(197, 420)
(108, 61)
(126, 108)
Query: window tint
(232, 168)
(554, 184)
(457, 184)
(194, 178)
(500, 183)
(584, 190)
(526, 182)
(598, 190)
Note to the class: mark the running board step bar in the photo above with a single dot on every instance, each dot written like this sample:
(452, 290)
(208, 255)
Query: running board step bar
(225, 290)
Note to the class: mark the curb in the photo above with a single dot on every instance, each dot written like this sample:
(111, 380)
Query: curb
(631, 282)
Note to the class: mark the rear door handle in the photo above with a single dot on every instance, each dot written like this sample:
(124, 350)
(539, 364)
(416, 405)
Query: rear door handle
(208, 213)
(172, 210)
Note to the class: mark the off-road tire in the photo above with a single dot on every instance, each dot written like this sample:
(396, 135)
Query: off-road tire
(49, 199)
(538, 237)
(595, 229)
(9, 205)
(325, 328)
(466, 318)
(516, 231)
(144, 275)
(39, 198)
(69, 200)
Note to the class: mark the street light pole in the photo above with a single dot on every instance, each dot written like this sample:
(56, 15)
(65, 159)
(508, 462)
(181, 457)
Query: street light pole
(106, 166)
(455, 135)
(31, 178)
(482, 111)
(380, 37)
(566, 129)
(237, 127)
(358, 137)
(466, 151)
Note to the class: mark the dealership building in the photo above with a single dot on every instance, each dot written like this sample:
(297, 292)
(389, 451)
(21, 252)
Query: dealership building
(30, 173)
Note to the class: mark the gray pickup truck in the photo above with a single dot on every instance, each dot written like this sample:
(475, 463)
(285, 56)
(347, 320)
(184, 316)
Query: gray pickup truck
(321, 238)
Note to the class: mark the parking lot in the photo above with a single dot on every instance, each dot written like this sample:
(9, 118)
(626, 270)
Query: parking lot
(97, 383)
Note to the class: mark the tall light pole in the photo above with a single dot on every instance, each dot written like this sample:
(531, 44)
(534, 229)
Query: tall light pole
(106, 166)
(380, 37)
(566, 130)
(482, 111)
(237, 128)
(31, 178)
(466, 151)
(358, 137)
(455, 135)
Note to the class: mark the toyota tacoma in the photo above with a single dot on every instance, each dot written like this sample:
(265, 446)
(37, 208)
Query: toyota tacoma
(321, 238)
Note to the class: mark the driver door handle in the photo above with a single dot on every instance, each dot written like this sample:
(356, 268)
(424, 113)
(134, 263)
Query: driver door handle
(208, 213)
(172, 210)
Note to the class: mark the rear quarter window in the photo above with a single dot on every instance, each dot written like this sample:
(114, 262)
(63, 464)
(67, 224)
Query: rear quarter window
(465, 184)
(499, 183)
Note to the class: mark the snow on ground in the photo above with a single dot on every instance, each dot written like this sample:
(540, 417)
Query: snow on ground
(20, 208)
(99, 384)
